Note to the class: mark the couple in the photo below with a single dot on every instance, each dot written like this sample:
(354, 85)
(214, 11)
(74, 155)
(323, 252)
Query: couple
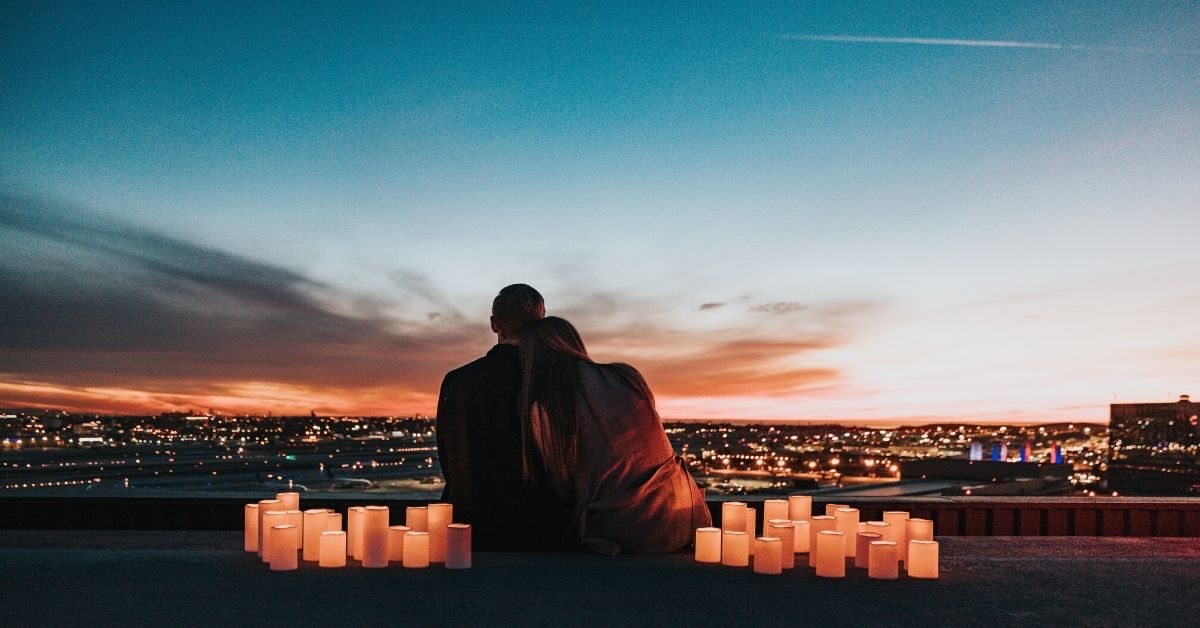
(542, 448)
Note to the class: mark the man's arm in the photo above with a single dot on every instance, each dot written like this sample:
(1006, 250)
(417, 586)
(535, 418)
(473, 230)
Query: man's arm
(448, 424)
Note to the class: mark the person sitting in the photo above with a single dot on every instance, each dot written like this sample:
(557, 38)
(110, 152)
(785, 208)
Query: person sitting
(592, 433)
(479, 438)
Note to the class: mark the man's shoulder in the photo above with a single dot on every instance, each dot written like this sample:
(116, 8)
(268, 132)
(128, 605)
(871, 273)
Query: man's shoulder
(485, 367)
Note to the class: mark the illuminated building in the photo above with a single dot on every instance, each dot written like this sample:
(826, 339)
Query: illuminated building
(1154, 448)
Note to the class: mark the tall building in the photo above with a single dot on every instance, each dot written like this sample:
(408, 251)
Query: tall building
(1154, 448)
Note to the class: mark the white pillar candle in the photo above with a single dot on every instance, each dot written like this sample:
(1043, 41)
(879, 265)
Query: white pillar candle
(922, 559)
(263, 506)
(290, 501)
(374, 537)
(283, 547)
(314, 525)
(895, 533)
(250, 528)
(831, 554)
(783, 530)
(862, 526)
(396, 542)
(733, 516)
(735, 548)
(333, 549)
(354, 527)
(799, 507)
(458, 546)
(296, 518)
(816, 526)
(917, 530)
(708, 545)
(878, 527)
(800, 542)
(417, 518)
(416, 550)
(768, 552)
(862, 542)
(271, 519)
(830, 509)
(334, 522)
(847, 524)
(883, 561)
(751, 526)
(774, 509)
(440, 516)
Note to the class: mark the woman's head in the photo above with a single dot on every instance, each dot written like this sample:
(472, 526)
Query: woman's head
(554, 335)
(551, 350)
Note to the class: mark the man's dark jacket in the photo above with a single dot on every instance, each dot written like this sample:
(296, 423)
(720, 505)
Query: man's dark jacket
(479, 448)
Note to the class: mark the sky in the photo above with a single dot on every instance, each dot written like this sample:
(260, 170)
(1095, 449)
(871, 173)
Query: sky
(858, 212)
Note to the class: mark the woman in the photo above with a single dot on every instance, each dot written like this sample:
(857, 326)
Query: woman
(594, 430)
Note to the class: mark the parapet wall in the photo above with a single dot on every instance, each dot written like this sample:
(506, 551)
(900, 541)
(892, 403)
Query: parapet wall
(952, 516)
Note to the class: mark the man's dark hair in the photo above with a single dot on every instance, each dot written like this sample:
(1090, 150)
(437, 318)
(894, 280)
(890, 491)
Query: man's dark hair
(516, 308)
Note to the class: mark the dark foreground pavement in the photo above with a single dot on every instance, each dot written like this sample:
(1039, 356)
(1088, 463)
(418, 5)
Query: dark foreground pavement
(90, 578)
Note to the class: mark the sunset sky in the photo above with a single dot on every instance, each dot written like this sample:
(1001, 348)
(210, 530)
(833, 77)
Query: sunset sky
(885, 211)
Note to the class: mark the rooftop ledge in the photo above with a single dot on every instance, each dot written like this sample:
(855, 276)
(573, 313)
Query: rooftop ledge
(952, 516)
(90, 578)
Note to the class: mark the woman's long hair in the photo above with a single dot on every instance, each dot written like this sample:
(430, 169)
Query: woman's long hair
(551, 350)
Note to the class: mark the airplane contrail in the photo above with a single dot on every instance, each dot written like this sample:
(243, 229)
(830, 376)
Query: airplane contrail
(982, 43)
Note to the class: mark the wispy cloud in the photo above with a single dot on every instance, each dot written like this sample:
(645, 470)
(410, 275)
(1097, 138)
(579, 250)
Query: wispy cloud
(983, 43)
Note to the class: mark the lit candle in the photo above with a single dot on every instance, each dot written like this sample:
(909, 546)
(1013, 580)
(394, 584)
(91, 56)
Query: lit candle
(735, 548)
(396, 542)
(783, 530)
(334, 522)
(417, 518)
(863, 546)
(895, 533)
(314, 525)
(768, 552)
(708, 545)
(799, 507)
(440, 516)
(775, 509)
(354, 517)
(416, 550)
(283, 547)
(263, 506)
(296, 518)
(250, 524)
(878, 527)
(816, 526)
(917, 530)
(333, 549)
(831, 550)
(847, 524)
(733, 516)
(374, 537)
(882, 561)
(800, 540)
(922, 559)
(289, 501)
(830, 509)
(271, 519)
(751, 526)
(458, 546)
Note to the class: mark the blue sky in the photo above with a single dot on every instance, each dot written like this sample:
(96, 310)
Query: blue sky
(893, 229)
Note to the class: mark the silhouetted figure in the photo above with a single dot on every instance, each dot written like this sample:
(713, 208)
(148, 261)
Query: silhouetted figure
(479, 437)
(593, 431)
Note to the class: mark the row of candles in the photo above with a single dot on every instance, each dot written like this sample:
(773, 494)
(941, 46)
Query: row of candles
(281, 534)
(830, 540)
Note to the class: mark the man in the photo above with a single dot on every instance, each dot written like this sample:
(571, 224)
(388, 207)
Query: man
(480, 440)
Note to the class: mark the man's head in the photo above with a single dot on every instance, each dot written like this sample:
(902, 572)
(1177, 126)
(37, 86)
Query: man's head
(515, 309)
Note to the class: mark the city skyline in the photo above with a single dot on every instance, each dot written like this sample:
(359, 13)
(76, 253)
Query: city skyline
(886, 212)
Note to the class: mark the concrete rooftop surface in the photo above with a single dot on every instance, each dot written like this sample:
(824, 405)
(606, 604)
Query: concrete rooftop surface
(142, 578)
